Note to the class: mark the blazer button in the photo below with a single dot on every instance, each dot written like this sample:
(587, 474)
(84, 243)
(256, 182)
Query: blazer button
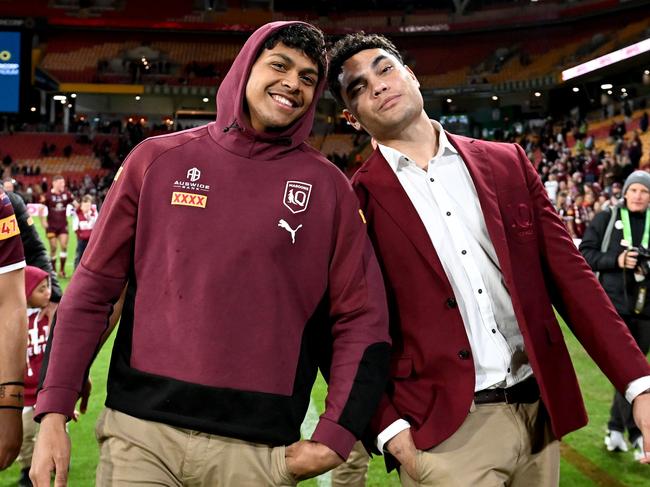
(451, 303)
(464, 354)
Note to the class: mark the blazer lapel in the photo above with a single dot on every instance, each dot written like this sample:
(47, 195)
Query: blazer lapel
(480, 170)
(386, 190)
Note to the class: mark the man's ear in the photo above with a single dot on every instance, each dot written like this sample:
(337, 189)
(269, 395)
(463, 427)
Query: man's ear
(412, 75)
(351, 119)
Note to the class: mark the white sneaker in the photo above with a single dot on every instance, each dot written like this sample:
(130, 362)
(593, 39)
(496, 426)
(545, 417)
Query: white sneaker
(614, 441)
(638, 448)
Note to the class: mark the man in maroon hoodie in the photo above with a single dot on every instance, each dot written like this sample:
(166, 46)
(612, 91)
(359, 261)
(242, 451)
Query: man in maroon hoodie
(13, 333)
(243, 249)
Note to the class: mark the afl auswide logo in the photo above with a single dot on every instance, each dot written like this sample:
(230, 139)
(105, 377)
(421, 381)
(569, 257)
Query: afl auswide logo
(193, 174)
(296, 196)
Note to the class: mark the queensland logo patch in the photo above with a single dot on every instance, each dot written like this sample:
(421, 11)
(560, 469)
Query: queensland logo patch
(189, 199)
(296, 196)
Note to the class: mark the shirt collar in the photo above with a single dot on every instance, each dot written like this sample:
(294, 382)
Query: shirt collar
(395, 157)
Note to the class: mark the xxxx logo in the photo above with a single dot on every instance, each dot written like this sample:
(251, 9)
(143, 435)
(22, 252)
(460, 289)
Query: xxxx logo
(189, 199)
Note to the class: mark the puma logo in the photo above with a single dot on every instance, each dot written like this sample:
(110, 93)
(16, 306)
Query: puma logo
(285, 225)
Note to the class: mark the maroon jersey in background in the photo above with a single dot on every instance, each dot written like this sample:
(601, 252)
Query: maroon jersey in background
(11, 247)
(56, 210)
(38, 329)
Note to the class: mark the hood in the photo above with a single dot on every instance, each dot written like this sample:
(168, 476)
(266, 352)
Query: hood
(232, 129)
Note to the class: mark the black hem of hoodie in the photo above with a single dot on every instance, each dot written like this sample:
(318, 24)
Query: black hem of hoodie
(258, 417)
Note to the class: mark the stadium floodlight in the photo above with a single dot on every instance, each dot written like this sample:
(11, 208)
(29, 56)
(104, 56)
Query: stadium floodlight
(205, 99)
(623, 90)
(609, 92)
(59, 97)
(576, 89)
(73, 95)
(495, 97)
(449, 100)
(137, 97)
(607, 59)
(537, 94)
(33, 109)
(606, 86)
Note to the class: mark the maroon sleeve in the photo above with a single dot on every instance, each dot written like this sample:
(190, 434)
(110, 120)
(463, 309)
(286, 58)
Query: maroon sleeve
(386, 413)
(11, 246)
(580, 299)
(361, 345)
(82, 316)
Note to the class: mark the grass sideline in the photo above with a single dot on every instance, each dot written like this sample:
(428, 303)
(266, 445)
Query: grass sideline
(587, 442)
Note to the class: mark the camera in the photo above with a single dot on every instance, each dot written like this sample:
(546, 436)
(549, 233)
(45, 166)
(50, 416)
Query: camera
(643, 259)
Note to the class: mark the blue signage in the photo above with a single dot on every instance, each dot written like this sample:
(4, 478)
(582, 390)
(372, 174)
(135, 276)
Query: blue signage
(9, 72)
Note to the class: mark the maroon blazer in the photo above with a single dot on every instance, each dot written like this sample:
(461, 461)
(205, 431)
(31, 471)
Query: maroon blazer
(432, 369)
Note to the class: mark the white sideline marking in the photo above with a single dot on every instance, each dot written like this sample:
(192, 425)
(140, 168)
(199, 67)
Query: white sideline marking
(307, 429)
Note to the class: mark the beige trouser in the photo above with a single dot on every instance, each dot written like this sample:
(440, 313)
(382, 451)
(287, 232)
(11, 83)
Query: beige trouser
(146, 453)
(30, 431)
(498, 444)
(354, 471)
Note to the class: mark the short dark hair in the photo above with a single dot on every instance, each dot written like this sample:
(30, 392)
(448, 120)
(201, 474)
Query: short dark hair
(347, 47)
(303, 37)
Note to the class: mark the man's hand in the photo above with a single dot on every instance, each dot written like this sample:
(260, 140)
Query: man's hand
(306, 459)
(401, 446)
(628, 259)
(49, 311)
(641, 411)
(51, 453)
(11, 426)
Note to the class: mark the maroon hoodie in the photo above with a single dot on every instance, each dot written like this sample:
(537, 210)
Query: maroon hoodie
(248, 265)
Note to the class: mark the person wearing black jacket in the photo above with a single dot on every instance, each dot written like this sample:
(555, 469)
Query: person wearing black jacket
(610, 246)
(35, 252)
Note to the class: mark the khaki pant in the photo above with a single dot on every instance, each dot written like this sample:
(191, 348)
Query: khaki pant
(354, 471)
(30, 431)
(146, 453)
(498, 444)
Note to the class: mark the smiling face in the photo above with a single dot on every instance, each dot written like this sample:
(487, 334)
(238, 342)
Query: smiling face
(381, 94)
(280, 88)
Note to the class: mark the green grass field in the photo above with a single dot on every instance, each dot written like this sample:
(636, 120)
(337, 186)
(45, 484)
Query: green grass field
(585, 461)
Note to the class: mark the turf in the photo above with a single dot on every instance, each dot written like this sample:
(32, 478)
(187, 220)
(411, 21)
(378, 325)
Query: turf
(587, 442)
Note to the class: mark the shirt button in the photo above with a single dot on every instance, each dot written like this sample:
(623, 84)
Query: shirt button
(463, 252)
(431, 179)
(493, 330)
(480, 291)
(508, 369)
(451, 303)
(464, 354)
(449, 213)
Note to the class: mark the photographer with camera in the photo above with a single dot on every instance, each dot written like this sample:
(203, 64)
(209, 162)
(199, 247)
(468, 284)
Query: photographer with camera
(616, 247)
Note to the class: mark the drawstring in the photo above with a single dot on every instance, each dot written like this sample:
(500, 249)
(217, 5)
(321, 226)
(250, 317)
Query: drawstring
(233, 125)
(285, 141)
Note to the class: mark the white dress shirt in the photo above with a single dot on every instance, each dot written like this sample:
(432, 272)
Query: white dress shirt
(445, 198)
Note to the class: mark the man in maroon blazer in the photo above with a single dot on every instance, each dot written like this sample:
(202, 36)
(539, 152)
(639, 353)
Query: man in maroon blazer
(474, 259)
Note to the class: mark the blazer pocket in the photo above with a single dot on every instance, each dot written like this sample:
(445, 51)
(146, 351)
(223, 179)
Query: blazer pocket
(402, 368)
